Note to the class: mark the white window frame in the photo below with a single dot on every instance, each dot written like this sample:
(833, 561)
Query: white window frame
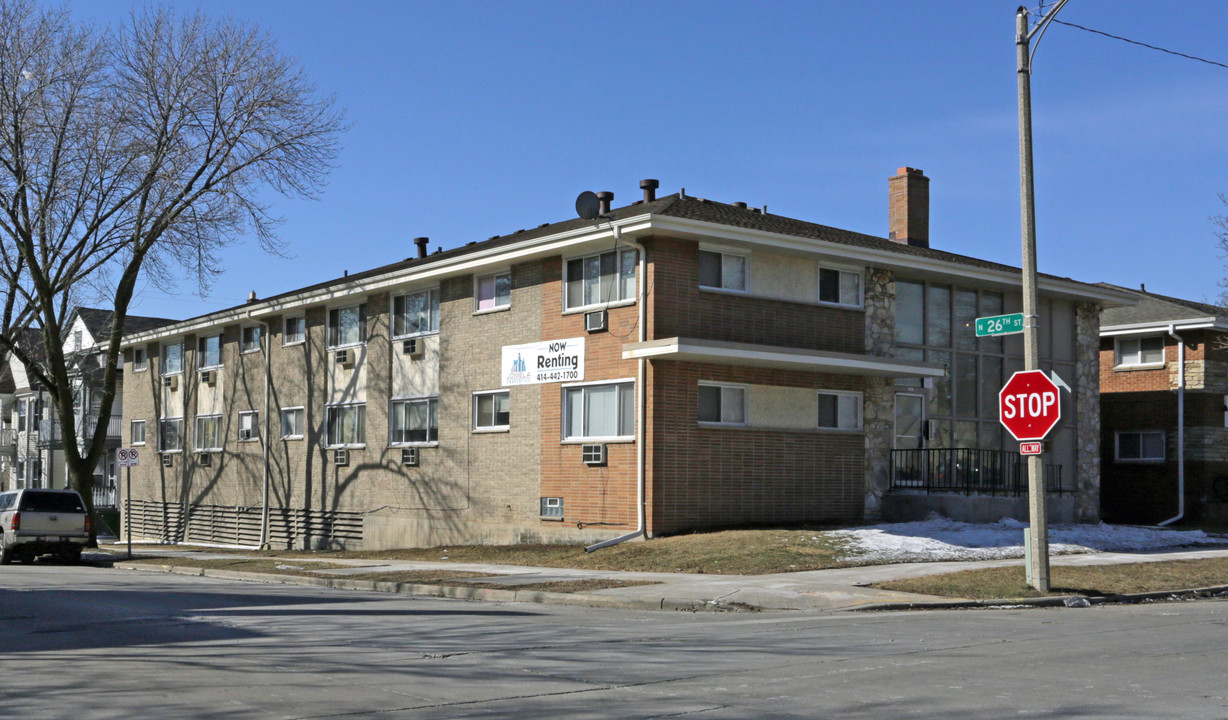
(132, 425)
(723, 386)
(244, 348)
(432, 293)
(165, 347)
(142, 364)
(196, 435)
(255, 425)
(301, 423)
(164, 420)
(860, 424)
(565, 414)
(861, 286)
(328, 434)
(302, 330)
(428, 399)
(1152, 460)
(494, 278)
(1133, 359)
(200, 351)
(492, 427)
(724, 253)
(616, 300)
(334, 343)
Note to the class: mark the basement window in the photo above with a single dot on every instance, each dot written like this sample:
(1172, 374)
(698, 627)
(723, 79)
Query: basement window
(1140, 446)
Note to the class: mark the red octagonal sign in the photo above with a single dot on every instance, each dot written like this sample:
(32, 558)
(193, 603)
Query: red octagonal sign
(1029, 405)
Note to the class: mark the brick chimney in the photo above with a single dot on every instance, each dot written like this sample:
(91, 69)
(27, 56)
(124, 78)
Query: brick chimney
(909, 196)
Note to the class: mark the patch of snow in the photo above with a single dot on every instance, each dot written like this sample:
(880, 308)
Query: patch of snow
(938, 538)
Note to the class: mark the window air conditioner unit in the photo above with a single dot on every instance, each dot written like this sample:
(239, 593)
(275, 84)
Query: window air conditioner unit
(413, 347)
(245, 433)
(205, 459)
(341, 457)
(171, 382)
(208, 377)
(168, 460)
(596, 321)
(345, 358)
(409, 456)
(592, 454)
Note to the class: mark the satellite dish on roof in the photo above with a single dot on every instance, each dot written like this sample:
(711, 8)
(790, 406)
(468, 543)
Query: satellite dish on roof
(588, 206)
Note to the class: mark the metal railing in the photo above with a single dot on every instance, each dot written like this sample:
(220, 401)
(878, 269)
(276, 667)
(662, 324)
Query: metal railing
(968, 471)
(49, 429)
(8, 442)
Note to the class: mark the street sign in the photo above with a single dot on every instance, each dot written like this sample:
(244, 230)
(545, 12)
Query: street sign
(999, 325)
(127, 457)
(1031, 448)
(1029, 405)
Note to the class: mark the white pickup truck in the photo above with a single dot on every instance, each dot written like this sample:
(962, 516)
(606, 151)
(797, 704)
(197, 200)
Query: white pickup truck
(40, 522)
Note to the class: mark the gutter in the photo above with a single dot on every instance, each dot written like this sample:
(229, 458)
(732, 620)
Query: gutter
(641, 411)
(266, 343)
(1180, 428)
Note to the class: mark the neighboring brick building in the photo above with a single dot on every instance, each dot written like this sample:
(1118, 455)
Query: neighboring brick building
(1164, 421)
(674, 364)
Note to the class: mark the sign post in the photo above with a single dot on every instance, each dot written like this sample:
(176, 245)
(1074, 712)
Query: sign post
(127, 458)
(1029, 406)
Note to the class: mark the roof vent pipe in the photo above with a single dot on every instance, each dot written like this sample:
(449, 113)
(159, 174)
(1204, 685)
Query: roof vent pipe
(650, 189)
(604, 198)
(740, 205)
(421, 243)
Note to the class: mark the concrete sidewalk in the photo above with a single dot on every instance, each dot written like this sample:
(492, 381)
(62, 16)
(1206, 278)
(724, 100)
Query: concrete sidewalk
(817, 590)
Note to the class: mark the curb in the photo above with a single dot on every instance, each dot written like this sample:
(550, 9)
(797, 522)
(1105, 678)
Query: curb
(1072, 601)
(450, 591)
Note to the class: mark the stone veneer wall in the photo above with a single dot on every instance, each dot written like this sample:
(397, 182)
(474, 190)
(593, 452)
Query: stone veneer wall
(1087, 412)
(879, 408)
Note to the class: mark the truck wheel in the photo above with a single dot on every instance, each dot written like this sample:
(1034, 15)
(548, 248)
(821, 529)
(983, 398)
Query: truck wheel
(6, 555)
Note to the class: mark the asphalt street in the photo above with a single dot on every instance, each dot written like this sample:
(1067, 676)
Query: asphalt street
(100, 643)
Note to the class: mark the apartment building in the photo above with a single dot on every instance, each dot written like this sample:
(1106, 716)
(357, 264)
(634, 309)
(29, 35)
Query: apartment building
(669, 365)
(1164, 410)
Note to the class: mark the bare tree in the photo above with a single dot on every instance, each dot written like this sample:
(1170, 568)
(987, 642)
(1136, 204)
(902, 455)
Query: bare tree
(130, 154)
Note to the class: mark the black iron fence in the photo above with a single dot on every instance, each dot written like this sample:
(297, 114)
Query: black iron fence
(968, 471)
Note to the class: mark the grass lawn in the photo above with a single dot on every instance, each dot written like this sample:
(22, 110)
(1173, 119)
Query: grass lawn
(1094, 581)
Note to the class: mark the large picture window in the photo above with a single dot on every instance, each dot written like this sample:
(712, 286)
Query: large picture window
(415, 313)
(346, 425)
(599, 279)
(415, 421)
(347, 326)
(599, 411)
(1140, 351)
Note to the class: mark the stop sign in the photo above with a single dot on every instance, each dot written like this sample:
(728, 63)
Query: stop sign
(1029, 405)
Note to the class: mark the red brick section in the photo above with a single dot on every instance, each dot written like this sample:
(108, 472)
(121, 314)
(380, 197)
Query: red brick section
(680, 309)
(909, 200)
(591, 494)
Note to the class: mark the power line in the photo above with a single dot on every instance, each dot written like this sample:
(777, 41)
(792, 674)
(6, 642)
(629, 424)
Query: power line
(1143, 44)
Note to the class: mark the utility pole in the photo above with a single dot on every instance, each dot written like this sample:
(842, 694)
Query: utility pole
(1037, 545)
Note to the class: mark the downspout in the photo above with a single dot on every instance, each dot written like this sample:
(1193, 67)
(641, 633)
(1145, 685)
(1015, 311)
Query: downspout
(1180, 427)
(641, 411)
(266, 343)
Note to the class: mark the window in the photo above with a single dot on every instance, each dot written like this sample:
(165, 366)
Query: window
(492, 410)
(1140, 446)
(552, 507)
(249, 425)
(599, 411)
(294, 330)
(210, 350)
(723, 404)
(76, 340)
(347, 326)
(494, 291)
(250, 341)
(597, 279)
(139, 362)
(1140, 351)
(172, 359)
(292, 423)
(416, 313)
(840, 287)
(21, 416)
(136, 432)
(170, 435)
(347, 425)
(415, 421)
(722, 270)
(839, 411)
(208, 433)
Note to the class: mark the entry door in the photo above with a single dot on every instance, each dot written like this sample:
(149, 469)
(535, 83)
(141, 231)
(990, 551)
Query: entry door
(909, 422)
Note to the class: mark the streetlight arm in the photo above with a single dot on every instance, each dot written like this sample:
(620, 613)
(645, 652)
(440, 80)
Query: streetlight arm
(1039, 30)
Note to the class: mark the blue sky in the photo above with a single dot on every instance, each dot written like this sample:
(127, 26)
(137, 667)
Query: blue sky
(473, 119)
